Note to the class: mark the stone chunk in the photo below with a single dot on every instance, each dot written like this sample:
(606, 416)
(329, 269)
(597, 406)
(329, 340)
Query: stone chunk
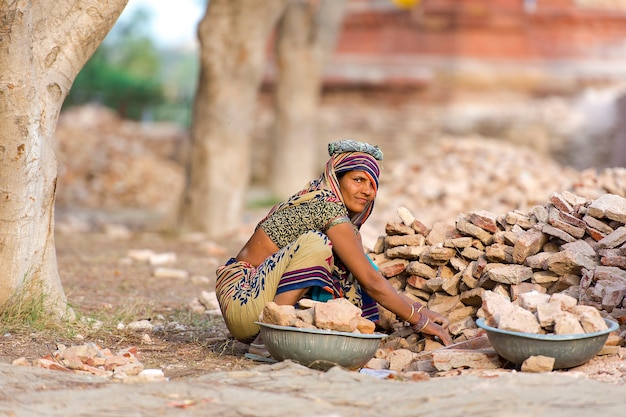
(409, 220)
(531, 300)
(508, 274)
(540, 212)
(567, 302)
(483, 219)
(405, 240)
(400, 359)
(337, 314)
(440, 232)
(538, 261)
(567, 323)
(609, 205)
(393, 267)
(544, 277)
(581, 247)
(520, 219)
(555, 219)
(473, 297)
(459, 242)
(495, 306)
(405, 252)
(519, 320)
(590, 318)
(499, 252)
(524, 287)
(558, 233)
(614, 239)
(281, 315)
(528, 243)
(568, 262)
(439, 253)
(397, 228)
(471, 253)
(464, 226)
(561, 203)
(447, 359)
(597, 224)
(538, 363)
(421, 270)
(547, 313)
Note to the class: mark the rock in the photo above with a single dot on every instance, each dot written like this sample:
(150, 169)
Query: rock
(538, 364)
(519, 320)
(173, 273)
(281, 315)
(447, 359)
(567, 323)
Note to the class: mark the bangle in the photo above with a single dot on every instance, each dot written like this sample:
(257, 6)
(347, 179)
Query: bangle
(419, 306)
(421, 323)
(412, 312)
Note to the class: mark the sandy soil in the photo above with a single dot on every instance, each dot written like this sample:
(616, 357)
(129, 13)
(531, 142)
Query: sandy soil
(207, 372)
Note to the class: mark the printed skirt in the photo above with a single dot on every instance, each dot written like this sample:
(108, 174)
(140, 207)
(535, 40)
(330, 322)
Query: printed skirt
(243, 290)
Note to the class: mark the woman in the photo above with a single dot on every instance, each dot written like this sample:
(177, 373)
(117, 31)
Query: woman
(310, 246)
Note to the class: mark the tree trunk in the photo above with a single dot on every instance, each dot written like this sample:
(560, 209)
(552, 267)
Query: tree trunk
(233, 37)
(306, 37)
(43, 46)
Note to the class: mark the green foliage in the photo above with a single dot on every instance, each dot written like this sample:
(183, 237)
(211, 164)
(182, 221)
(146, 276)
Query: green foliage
(129, 74)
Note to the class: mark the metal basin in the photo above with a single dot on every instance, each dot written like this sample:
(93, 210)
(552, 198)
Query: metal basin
(320, 349)
(568, 350)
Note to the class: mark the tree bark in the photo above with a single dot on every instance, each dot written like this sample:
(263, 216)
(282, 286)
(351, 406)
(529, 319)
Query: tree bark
(233, 37)
(306, 37)
(43, 46)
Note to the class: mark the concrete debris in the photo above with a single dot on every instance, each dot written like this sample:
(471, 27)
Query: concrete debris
(526, 272)
(106, 162)
(338, 315)
(172, 273)
(140, 326)
(92, 359)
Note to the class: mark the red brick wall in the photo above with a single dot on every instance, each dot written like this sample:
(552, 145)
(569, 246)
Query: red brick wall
(483, 29)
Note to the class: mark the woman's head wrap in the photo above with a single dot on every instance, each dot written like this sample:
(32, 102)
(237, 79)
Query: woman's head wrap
(350, 155)
(345, 155)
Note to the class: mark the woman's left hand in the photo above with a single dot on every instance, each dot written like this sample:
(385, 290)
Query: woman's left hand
(434, 329)
(436, 318)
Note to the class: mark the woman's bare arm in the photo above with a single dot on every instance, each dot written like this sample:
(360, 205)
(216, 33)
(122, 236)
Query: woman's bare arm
(348, 248)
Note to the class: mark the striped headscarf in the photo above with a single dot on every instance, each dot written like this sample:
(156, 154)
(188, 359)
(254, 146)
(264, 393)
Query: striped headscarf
(352, 161)
(327, 187)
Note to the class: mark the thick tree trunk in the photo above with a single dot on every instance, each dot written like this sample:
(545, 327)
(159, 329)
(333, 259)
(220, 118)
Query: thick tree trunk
(306, 37)
(43, 46)
(233, 36)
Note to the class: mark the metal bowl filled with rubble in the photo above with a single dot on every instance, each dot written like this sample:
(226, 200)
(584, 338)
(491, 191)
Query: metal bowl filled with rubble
(318, 348)
(568, 350)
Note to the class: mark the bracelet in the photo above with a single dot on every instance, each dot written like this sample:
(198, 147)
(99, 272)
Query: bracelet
(419, 306)
(421, 323)
(412, 312)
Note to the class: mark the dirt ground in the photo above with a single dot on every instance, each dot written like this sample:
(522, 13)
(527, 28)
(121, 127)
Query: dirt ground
(101, 282)
(206, 371)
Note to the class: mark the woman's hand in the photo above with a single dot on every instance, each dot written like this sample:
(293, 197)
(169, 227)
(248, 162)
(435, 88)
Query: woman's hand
(432, 323)
(436, 318)
(434, 329)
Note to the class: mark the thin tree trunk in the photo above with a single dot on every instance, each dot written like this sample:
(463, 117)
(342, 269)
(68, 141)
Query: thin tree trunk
(43, 46)
(233, 36)
(306, 37)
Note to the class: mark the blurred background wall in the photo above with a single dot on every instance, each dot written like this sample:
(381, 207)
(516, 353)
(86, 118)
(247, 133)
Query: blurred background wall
(547, 75)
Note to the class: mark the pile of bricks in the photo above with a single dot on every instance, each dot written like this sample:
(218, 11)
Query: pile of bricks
(571, 245)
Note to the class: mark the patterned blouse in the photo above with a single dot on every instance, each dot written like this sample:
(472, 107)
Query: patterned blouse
(286, 225)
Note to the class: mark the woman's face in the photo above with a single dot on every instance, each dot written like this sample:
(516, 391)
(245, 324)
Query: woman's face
(357, 191)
